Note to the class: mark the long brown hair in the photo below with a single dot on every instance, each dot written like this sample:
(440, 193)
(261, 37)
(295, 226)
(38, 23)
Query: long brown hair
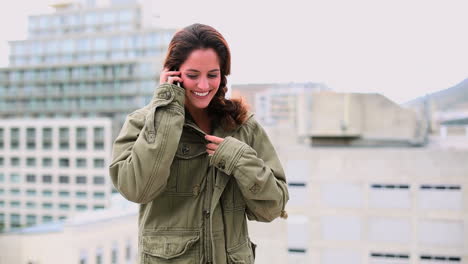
(227, 113)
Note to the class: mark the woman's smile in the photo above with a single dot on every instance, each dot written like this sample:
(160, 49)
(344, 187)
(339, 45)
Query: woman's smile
(200, 94)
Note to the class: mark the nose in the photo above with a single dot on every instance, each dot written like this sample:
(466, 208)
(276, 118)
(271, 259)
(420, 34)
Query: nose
(203, 83)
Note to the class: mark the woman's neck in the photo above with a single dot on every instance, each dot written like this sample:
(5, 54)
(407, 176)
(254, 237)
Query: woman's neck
(201, 118)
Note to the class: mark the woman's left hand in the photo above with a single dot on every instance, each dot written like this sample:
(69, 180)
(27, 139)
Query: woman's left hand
(214, 143)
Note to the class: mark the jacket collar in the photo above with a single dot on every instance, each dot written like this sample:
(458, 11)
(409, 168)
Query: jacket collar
(218, 131)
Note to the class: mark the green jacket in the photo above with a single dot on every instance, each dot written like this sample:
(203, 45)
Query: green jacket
(194, 206)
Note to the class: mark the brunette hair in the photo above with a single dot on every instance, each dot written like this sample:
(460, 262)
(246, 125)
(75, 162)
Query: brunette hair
(227, 113)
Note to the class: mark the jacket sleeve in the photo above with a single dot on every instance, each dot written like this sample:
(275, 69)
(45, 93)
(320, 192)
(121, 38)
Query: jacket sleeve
(146, 145)
(257, 170)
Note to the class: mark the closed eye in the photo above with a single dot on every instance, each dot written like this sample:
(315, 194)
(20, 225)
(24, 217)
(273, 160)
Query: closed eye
(191, 76)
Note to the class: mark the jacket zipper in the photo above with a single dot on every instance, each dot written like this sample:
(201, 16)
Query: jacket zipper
(206, 215)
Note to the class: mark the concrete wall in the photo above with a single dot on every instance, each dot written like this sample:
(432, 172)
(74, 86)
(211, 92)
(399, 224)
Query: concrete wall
(362, 118)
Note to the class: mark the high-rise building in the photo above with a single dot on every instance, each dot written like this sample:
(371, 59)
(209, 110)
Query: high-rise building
(51, 169)
(84, 60)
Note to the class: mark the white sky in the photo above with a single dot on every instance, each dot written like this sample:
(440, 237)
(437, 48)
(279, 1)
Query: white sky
(400, 48)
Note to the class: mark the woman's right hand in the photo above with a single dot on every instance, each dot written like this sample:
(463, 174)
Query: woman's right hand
(168, 76)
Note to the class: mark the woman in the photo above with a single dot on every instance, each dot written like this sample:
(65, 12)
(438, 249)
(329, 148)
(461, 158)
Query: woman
(197, 162)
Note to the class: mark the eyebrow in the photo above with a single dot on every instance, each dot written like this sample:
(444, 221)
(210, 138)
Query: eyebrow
(193, 70)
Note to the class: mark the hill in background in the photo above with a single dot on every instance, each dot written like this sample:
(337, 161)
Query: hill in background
(452, 99)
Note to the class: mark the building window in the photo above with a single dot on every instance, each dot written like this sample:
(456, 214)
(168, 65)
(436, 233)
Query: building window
(47, 205)
(2, 145)
(81, 179)
(47, 178)
(99, 256)
(128, 251)
(15, 178)
(389, 196)
(98, 180)
(83, 257)
(378, 257)
(14, 138)
(31, 192)
(298, 238)
(81, 207)
(98, 163)
(114, 255)
(64, 179)
(47, 193)
(2, 204)
(47, 218)
(81, 163)
(64, 206)
(30, 178)
(30, 205)
(2, 222)
(46, 162)
(80, 138)
(2, 162)
(31, 138)
(440, 197)
(31, 162)
(426, 258)
(98, 138)
(15, 204)
(15, 220)
(64, 138)
(2, 177)
(81, 194)
(2, 191)
(98, 207)
(64, 194)
(99, 195)
(64, 163)
(31, 220)
(15, 162)
(47, 138)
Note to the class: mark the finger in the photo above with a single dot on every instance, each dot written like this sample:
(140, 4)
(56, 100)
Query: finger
(172, 79)
(212, 146)
(214, 139)
(170, 73)
(164, 76)
(210, 152)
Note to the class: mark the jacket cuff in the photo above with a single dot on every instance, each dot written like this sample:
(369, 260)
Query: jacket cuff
(228, 154)
(167, 93)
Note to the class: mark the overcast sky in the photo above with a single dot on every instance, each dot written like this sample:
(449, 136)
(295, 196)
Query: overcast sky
(400, 48)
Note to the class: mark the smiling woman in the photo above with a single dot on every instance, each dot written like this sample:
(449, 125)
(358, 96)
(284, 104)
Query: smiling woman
(199, 164)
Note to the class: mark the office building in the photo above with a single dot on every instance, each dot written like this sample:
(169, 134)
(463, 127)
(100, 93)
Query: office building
(84, 60)
(51, 169)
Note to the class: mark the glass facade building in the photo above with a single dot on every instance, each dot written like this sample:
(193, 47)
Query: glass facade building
(83, 61)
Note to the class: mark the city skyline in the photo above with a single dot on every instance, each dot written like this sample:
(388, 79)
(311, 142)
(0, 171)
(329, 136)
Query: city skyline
(401, 50)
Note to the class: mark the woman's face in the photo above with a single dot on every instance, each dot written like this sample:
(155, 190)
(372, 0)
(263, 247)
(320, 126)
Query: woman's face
(201, 77)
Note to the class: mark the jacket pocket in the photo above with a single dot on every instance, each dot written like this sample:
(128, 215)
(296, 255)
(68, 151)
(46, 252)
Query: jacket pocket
(242, 254)
(171, 247)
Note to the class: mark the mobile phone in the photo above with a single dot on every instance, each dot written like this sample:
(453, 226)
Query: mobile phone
(176, 83)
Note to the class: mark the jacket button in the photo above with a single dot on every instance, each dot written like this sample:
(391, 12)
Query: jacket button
(222, 164)
(185, 149)
(164, 95)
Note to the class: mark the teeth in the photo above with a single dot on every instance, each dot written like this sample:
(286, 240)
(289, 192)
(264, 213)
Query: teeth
(201, 94)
